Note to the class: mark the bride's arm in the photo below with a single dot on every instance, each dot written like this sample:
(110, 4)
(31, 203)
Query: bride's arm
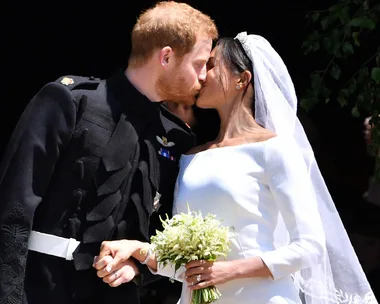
(289, 181)
(291, 186)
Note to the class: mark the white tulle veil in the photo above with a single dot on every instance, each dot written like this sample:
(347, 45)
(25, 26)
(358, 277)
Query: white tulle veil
(340, 278)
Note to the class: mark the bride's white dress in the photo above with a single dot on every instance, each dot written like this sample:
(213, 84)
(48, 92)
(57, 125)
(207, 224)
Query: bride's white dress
(248, 187)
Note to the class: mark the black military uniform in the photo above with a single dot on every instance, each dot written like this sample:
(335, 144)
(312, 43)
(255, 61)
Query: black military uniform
(85, 161)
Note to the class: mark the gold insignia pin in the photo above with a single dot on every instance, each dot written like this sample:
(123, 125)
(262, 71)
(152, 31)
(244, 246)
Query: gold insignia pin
(164, 141)
(67, 81)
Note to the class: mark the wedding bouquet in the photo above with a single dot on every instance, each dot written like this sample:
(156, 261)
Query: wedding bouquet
(190, 236)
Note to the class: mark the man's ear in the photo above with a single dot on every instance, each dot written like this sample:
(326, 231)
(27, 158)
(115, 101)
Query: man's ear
(165, 55)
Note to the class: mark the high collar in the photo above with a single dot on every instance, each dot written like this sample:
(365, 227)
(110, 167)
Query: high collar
(132, 100)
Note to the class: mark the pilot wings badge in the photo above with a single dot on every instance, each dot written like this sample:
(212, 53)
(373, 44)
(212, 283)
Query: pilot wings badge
(67, 81)
(164, 141)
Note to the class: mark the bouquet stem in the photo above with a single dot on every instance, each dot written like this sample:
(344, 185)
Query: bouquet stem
(205, 295)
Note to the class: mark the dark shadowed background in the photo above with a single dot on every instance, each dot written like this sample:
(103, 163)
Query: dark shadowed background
(43, 40)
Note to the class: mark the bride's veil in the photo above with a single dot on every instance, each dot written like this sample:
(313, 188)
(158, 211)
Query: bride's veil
(340, 278)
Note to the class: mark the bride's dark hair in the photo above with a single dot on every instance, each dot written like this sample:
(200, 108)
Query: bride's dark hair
(233, 57)
(231, 54)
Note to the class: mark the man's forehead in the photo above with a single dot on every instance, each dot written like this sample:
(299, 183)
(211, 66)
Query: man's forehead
(202, 47)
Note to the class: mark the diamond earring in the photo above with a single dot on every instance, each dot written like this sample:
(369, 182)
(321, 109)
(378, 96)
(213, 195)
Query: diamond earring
(238, 87)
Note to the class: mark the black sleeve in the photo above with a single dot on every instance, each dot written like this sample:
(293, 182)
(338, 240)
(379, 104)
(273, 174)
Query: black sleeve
(145, 277)
(43, 130)
(165, 210)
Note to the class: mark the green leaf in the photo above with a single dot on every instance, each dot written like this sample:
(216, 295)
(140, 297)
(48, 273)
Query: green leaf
(316, 81)
(351, 87)
(363, 22)
(368, 97)
(363, 74)
(325, 91)
(307, 49)
(345, 93)
(325, 23)
(334, 8)
(355, 112)
(337, 34)
(360, 99)
(313, 36)
(328, 44)
(335, 71)
(344, 16)
(347, 48)
(342, 98)
(375, 74)
(310, 41)
(314, 16)
(366, 4)
(316, 46)
(338, 53)
(342, 101)
(308, 103)
(369, 24)
(355, 36)
(336, 38)
(177, 266)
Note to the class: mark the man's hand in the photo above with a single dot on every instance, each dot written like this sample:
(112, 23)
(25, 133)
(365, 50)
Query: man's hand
(113, 264)
(119, 251)
(122, 272)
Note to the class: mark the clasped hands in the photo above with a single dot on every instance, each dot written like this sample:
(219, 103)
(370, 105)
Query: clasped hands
(115, 266)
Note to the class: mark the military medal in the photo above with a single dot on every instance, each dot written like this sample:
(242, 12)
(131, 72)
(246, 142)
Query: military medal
(165, 153)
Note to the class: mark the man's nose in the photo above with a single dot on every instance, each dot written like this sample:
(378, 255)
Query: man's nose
(202, 75)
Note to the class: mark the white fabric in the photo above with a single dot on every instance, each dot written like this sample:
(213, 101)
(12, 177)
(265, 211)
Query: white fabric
(247, 186)
(52, 245)
(339, 278)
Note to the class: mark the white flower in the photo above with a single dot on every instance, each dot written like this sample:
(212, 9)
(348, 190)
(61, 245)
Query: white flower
(190, 236)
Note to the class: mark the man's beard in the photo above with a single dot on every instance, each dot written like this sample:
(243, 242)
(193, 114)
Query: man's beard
(174, 88)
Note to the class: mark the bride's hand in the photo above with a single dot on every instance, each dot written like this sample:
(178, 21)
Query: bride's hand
(118, 251)
(201, 274)
(123, 272)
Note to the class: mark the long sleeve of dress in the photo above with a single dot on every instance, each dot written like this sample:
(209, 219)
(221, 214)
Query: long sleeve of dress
(170, 272)
(43, 130)
(290, 185)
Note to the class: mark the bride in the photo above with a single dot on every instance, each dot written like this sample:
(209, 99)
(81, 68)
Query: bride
(261, 178)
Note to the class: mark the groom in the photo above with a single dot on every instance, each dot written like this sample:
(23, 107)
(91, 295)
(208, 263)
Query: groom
(93, 160)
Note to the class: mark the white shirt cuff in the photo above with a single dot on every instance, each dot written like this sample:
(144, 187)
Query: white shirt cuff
(169, 271)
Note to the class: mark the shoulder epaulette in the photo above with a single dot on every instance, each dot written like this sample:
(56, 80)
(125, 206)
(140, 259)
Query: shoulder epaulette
(79, 82)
